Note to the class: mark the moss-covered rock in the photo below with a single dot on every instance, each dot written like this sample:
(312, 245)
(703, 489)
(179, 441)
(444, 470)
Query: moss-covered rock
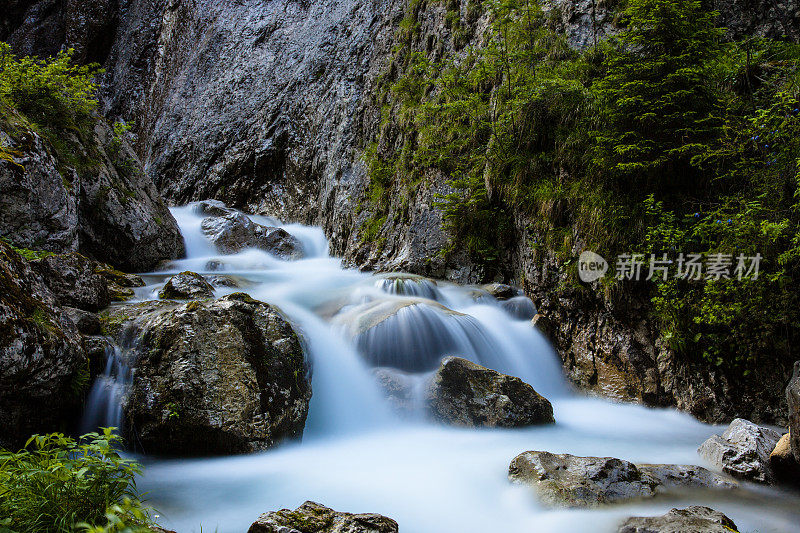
(696, 519)
(213, 377)
(312, 517)
(43, 367)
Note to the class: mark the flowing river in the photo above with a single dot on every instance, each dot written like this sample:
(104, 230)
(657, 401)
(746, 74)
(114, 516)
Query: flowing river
(358, 455)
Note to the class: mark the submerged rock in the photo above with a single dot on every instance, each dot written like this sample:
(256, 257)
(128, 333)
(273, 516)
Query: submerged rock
(563, 480)
(463, 393)
(408, 285)
(411, 334)
(234, 232)
(793, 399)
(43, 367)
(71, 277)
(186, 286)
(312, 517)
(398, 387)
(519, 307)
(694, 519)
(214, 377)
(501, 291)
(742, 451)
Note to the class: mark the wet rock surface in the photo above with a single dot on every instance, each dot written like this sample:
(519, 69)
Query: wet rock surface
(463, 393)
(695, 519)
(214, 377)
(742, 451)
(312, 517)
(234, 232)
(563, 480)
(186, 286)
(43, 367)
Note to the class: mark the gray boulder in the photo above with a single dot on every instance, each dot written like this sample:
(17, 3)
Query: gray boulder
(234, 232)
(742, 451)
(793, 399)
(186, 286)
(108, 210)
(463, 393)
(563, 480)
(72, 279)
(43, 368)
(213, 377)
(312, 517)
(501, 291)
(694, 519)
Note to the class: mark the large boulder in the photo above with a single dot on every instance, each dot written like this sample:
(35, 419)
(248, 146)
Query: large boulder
(86, 193)
(213, 377)
(793, 399)
(234, 232)
(742, 451)
(463, 393)
(312, 517)
(71, 277)
(186, 286)
(43, 368)
(694, 519)
(563, 480)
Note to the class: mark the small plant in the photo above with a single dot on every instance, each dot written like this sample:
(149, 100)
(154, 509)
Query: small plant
(57, 483)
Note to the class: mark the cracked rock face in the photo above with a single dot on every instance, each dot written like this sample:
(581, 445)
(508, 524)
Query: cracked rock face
(563, 480)
(742, 451)
(214, 377)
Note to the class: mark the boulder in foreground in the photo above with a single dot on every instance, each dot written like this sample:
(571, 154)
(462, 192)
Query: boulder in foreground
(563, 480)
(463, 393)
(213, 377)
(694, 519)
(742, 451)
(315, 518)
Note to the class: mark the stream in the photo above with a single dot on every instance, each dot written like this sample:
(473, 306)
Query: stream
(359, 455)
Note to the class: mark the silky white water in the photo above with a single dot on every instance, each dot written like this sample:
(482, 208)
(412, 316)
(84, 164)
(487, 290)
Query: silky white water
(359, 455)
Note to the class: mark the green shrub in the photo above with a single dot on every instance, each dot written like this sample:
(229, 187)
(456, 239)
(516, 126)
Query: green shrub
(52, 91)
(57, 484)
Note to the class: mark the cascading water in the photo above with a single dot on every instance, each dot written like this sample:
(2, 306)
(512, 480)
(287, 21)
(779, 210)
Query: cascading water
(358, 455)
(104, 403)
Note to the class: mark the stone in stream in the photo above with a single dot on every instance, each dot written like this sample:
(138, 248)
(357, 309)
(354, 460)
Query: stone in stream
(694, 519)
(213, 377)
(563, 480)
(519, 307)
(235, 231)
(501, 291)
(43, 366)
(742, 451)
(186, 286)
(793, 399)
(463, 393)
(312, 517)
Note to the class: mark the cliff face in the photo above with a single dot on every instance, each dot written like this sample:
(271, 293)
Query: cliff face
(268, 105)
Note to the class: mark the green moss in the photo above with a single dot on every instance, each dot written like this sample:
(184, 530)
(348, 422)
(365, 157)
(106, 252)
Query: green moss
(30, 255)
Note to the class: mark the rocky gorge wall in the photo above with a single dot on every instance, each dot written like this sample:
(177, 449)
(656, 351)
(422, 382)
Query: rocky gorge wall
(268, 106)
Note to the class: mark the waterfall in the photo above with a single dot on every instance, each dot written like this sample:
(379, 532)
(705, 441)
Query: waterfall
(358, 454)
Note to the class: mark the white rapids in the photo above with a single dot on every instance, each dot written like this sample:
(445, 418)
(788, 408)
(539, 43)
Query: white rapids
(357, 455)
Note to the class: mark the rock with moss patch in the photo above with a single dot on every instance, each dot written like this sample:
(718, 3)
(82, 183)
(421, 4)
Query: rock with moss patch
(43, 367)
(463, 393)
(120, 284)
(234, 232)
(694, 519)
(564, 480)
(186, 286)
(214, 377)
(312, 517)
